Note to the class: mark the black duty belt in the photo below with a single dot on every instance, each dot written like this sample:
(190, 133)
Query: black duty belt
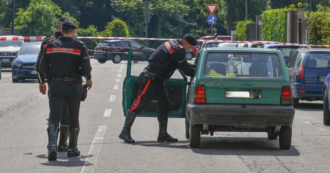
(65, 79)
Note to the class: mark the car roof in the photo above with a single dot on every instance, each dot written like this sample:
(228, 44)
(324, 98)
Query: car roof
(112, 41)
(314, 50)
(228, 49)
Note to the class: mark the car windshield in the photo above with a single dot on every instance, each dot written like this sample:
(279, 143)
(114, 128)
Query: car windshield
(286, 51)
(14, 43)
(31, 48)
(244, 65)
(318, 60)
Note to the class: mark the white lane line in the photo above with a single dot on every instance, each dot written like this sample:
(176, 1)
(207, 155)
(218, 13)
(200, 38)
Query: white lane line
(112, 98)
(321, 129)
(308, 122)
(94, 150)
(107, 113)
(117, 80)
(115, 87)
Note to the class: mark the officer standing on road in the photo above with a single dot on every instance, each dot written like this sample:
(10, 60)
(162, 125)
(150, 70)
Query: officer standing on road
(65, 62)
(64, 128)
(163, 62)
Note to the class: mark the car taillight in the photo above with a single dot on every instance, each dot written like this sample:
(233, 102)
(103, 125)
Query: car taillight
(200, 96)
(301, 72)
(286, 97)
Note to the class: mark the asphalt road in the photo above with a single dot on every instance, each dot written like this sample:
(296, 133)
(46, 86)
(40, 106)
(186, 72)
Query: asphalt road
(23, 137)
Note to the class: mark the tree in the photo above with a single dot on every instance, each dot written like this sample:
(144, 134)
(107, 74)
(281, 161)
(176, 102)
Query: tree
(39, 18)
(117, 28)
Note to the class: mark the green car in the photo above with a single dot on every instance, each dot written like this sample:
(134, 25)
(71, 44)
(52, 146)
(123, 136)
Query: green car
(238, 89)
(233, 90)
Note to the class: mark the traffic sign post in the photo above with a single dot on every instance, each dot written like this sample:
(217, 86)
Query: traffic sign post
(211, 19)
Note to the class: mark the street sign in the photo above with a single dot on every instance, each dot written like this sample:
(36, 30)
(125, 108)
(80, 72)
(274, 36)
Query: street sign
(211, 19)
(212, 8)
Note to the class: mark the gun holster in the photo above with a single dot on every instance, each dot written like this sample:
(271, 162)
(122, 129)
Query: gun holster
(83, 92)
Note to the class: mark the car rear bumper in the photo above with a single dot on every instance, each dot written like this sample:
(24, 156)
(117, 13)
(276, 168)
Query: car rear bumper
(311, 91)
(239, 115)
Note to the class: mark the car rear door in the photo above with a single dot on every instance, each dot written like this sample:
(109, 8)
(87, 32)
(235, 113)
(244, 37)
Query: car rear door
(316, 67)
(176, 88)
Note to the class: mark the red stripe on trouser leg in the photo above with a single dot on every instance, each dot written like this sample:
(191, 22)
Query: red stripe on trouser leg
(139, 97)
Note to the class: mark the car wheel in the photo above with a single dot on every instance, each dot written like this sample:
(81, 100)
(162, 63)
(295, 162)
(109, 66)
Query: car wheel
(295, 102)
(285, 137)
(326, 113)
(116, 59)
(14, 80)
(195, 136)
(187, 128)
(102, 61)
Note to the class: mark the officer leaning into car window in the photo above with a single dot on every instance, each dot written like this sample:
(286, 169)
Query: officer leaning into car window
(64, 128)
(163, 62)
(65, 62)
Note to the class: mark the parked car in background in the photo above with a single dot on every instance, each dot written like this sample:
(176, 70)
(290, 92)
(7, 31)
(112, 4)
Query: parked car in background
(24, 65)
(203, 40)
(308, 68)
(0, 71)
(228, 45)
(8, 51)
(117, 50)
(326, 100)
(237, 89)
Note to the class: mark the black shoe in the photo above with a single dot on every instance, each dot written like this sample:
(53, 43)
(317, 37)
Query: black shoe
(52, 141)
(64, 134)
(73, 150)
(126, 136)
(165, 137)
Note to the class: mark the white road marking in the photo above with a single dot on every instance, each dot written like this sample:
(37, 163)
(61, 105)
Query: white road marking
(119, 75)
(115, 87)
(94, 150)
(117, 80)
(321, 129)
(107, 113)
(112, 98)
(308, 122)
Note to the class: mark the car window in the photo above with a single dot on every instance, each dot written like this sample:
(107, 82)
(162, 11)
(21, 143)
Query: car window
(299, 59)
(292, 59)
(123, 44)
(31, 48)
(13, 43)
(244, 65)
(135, 44)
(102, 44)
(257, 46)
(318, 60)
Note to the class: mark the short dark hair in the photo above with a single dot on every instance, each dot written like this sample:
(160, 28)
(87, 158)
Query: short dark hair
(68, 27)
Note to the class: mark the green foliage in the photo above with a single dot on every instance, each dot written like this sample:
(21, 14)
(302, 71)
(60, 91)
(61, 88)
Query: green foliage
(241, 29)
(319, 27)
(274, 24)
(117, 28)
(91, 30)
(39, 18)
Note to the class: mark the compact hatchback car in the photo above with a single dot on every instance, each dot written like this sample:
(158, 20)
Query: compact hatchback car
(8, 51)
(240, 90)
(308, 68)
(117, 50)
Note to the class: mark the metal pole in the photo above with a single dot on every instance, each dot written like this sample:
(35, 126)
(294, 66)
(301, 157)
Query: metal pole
(146, 19)
(246, 10)
(13, 18)
(310, 5)
(211, 29)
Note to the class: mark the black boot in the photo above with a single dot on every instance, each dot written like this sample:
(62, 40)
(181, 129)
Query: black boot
(64, 134)
(126, 132)
(52, 141)
(163, 136)
(73, 150)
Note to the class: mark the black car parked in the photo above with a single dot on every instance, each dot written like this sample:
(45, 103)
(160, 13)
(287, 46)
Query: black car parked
(117, 50)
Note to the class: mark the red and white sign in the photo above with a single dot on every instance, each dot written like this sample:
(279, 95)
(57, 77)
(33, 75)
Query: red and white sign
(212, 8)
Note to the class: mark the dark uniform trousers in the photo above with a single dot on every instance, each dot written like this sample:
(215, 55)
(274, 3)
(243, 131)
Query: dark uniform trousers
(64, 96)
(150, 88)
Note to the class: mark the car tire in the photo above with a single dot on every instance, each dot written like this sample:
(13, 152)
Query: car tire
(295, 102)
(195, 136)
(285, 137)
(116, 59)
(326, 113)
(187, 128)
(102, 61)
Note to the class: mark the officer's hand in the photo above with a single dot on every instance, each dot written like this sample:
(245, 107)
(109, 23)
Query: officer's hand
(43, 88)
(89, 83)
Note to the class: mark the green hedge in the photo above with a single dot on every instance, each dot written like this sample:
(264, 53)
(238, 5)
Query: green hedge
(116, 28)
(274, 24)
(241, 30)
(319, 27)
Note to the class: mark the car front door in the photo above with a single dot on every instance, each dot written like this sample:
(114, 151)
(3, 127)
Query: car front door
(176, 89)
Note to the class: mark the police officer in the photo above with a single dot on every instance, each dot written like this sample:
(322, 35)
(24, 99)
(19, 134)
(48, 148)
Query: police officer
(64, 128)
(65, 62)
(163, 62)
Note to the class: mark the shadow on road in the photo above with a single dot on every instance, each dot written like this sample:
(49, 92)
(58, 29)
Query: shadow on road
(243, 146)
(310, 106)
(64, 161)
(178, 145)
